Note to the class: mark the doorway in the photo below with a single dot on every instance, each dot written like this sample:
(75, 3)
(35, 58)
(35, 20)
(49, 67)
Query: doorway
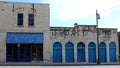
(24, 52)
(37, 52)
(18, 53)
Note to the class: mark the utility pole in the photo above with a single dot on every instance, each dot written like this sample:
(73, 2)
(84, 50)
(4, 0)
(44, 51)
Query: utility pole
(97, 17)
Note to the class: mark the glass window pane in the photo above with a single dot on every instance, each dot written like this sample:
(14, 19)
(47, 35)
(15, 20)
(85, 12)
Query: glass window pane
(20, 19)
(31, 20)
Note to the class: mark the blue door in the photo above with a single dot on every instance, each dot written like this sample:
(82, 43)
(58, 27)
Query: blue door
(112, 52)
(102, 52)
(57, 52)
(69, 52)
(91, 52)
(81, 52)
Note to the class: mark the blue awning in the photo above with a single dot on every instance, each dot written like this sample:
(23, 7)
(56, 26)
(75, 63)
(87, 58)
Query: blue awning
(24, 38)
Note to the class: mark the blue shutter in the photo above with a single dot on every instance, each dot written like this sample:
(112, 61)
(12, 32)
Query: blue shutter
(102, 52)
(81, 52)
(91, 53)
(57, 52)
(69, 52)
(112, 52)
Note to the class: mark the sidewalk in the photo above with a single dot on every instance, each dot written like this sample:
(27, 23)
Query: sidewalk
(52, 64)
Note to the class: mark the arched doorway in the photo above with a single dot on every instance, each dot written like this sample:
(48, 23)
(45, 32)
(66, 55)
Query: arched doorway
(57, 52)
(112, 52)
(81, 52)
(91, 52)
(69, 52)
(102, 52)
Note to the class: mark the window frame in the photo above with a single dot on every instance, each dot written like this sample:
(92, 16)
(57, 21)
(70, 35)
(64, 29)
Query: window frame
(20, 19)
(31, 19)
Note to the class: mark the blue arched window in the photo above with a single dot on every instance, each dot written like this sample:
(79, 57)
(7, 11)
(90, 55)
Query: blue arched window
(112, 52)
(57, 52)
(102, 52)
(81, 52)
(69, 52)
(91, 52)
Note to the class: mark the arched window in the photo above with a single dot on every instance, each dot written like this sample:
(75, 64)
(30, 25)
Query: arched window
(69, 52)
(91, 52)
(57, 52)
(81, 52)
(112, 52)
(102, 52)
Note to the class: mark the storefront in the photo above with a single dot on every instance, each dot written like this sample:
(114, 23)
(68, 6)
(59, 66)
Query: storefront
(24, 47)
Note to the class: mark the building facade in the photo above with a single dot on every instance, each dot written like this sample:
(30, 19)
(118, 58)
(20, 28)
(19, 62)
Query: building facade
(119, 44)
(26, 36)
(24, 32)
(78, 44)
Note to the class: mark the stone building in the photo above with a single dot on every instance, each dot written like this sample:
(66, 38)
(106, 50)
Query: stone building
(26, 36)
(119, 44)
(24, 32)
(78, 44)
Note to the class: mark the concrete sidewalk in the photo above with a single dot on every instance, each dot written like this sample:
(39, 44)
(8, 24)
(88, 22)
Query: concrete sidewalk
(52, 64)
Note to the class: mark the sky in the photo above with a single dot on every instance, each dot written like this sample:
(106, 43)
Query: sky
(64, 13)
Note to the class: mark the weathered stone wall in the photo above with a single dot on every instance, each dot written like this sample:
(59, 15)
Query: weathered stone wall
(85, 34)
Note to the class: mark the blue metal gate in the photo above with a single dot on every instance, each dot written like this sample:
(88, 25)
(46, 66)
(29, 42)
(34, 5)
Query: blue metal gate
(112, 52)
(81, 52)
(57, 52)
(102, 52)
(69, 52)
(91, 52)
